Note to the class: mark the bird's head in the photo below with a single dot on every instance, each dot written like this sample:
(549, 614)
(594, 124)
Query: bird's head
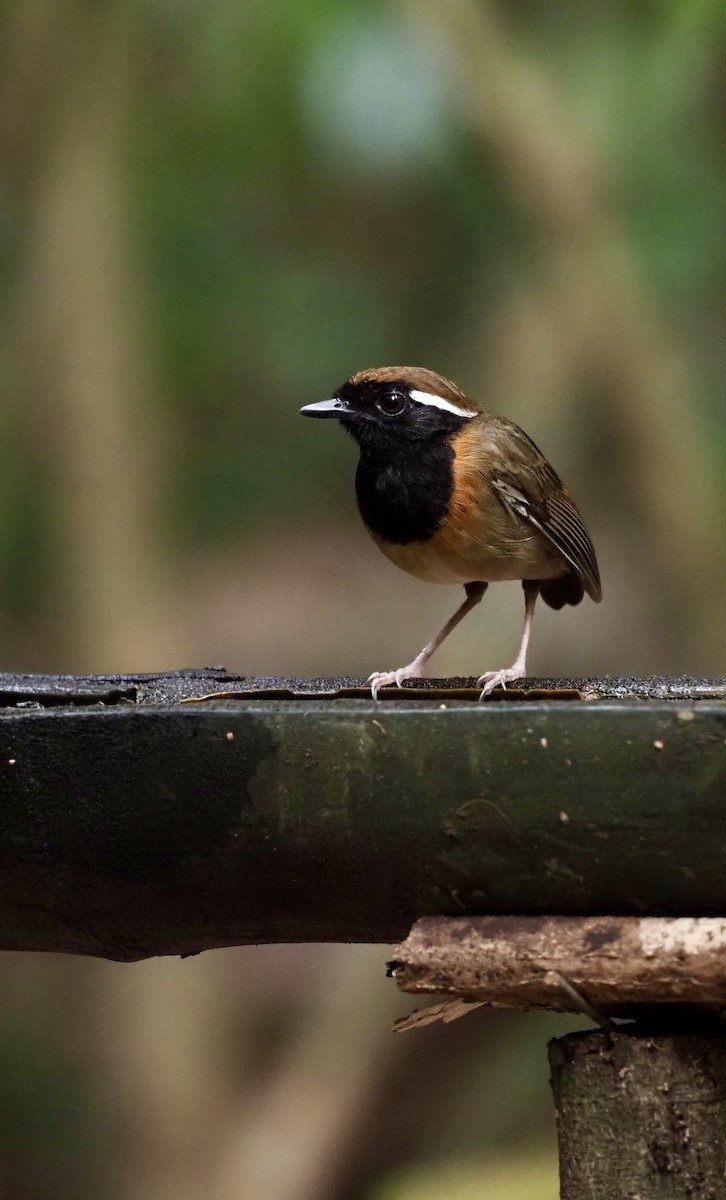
(384, 406)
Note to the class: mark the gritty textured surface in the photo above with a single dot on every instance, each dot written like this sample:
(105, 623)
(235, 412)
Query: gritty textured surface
(210, 683)
(134, 822)
(613, 688)
(48, 691)
(640, 1116)
(619, 964)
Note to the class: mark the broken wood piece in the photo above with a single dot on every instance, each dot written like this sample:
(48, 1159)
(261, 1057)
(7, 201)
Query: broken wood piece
(615, 964)
(448, 1010)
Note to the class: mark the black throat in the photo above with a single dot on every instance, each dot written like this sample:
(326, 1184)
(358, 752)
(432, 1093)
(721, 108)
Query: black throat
(404, 489)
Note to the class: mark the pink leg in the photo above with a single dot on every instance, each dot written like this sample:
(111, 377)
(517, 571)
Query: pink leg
(492, 679)
(414, 670)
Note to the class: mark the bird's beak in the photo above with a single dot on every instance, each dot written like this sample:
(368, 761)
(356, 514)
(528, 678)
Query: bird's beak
(326, 408)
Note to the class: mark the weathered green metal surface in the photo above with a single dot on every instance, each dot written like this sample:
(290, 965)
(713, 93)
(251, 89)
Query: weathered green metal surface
(134, 828)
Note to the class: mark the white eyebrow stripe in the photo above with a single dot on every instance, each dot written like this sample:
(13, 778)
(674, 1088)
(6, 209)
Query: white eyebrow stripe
(439, 402)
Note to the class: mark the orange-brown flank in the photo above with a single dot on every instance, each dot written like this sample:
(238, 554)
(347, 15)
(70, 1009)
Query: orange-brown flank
(480, 539)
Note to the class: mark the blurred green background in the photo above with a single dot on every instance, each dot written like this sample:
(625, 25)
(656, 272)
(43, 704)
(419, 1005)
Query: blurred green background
(211, 214)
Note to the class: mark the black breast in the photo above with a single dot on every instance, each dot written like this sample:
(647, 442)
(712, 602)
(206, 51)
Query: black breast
(405, 498)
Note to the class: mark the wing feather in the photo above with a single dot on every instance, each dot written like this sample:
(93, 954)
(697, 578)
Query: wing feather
(563, 526)
(546, 503)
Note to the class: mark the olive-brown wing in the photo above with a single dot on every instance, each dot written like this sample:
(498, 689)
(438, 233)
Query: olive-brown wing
(526, 483)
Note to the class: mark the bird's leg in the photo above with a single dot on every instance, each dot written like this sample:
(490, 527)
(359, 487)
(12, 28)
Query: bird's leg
(491, 679)
(414, 670)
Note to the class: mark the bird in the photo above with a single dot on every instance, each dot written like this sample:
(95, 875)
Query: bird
(455, 494)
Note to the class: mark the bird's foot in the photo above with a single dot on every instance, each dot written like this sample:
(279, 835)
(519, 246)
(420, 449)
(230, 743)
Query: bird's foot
(493, 679)
(381, 679)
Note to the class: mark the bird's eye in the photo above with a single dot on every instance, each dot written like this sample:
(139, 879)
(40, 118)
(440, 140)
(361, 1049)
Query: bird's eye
(392, 404)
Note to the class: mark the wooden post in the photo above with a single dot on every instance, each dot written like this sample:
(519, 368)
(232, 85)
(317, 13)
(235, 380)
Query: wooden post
(641, 1107)
(640, 1115)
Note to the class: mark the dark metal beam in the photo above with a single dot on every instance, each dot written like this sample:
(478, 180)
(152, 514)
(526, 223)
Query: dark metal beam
(133, 823)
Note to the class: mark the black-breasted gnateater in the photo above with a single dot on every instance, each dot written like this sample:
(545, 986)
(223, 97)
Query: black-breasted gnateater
(453, 493)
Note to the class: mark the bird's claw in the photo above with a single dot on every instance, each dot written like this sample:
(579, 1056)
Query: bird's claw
(381, 679)
(493, 679)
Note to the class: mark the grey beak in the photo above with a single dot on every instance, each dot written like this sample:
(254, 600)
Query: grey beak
(326, 408)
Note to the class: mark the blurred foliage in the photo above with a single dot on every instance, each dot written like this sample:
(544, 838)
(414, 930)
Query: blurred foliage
(310, 202)
(533, 1177)
(209, 215)
(49, 1127)
(309, 234)
(303, 190)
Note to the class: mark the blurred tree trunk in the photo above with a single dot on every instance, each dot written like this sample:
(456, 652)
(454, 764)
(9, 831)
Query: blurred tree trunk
(600, 323)
(83, 388)
(84, 416)
(162, 1032)
(294, 1134)
(318, 1020)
